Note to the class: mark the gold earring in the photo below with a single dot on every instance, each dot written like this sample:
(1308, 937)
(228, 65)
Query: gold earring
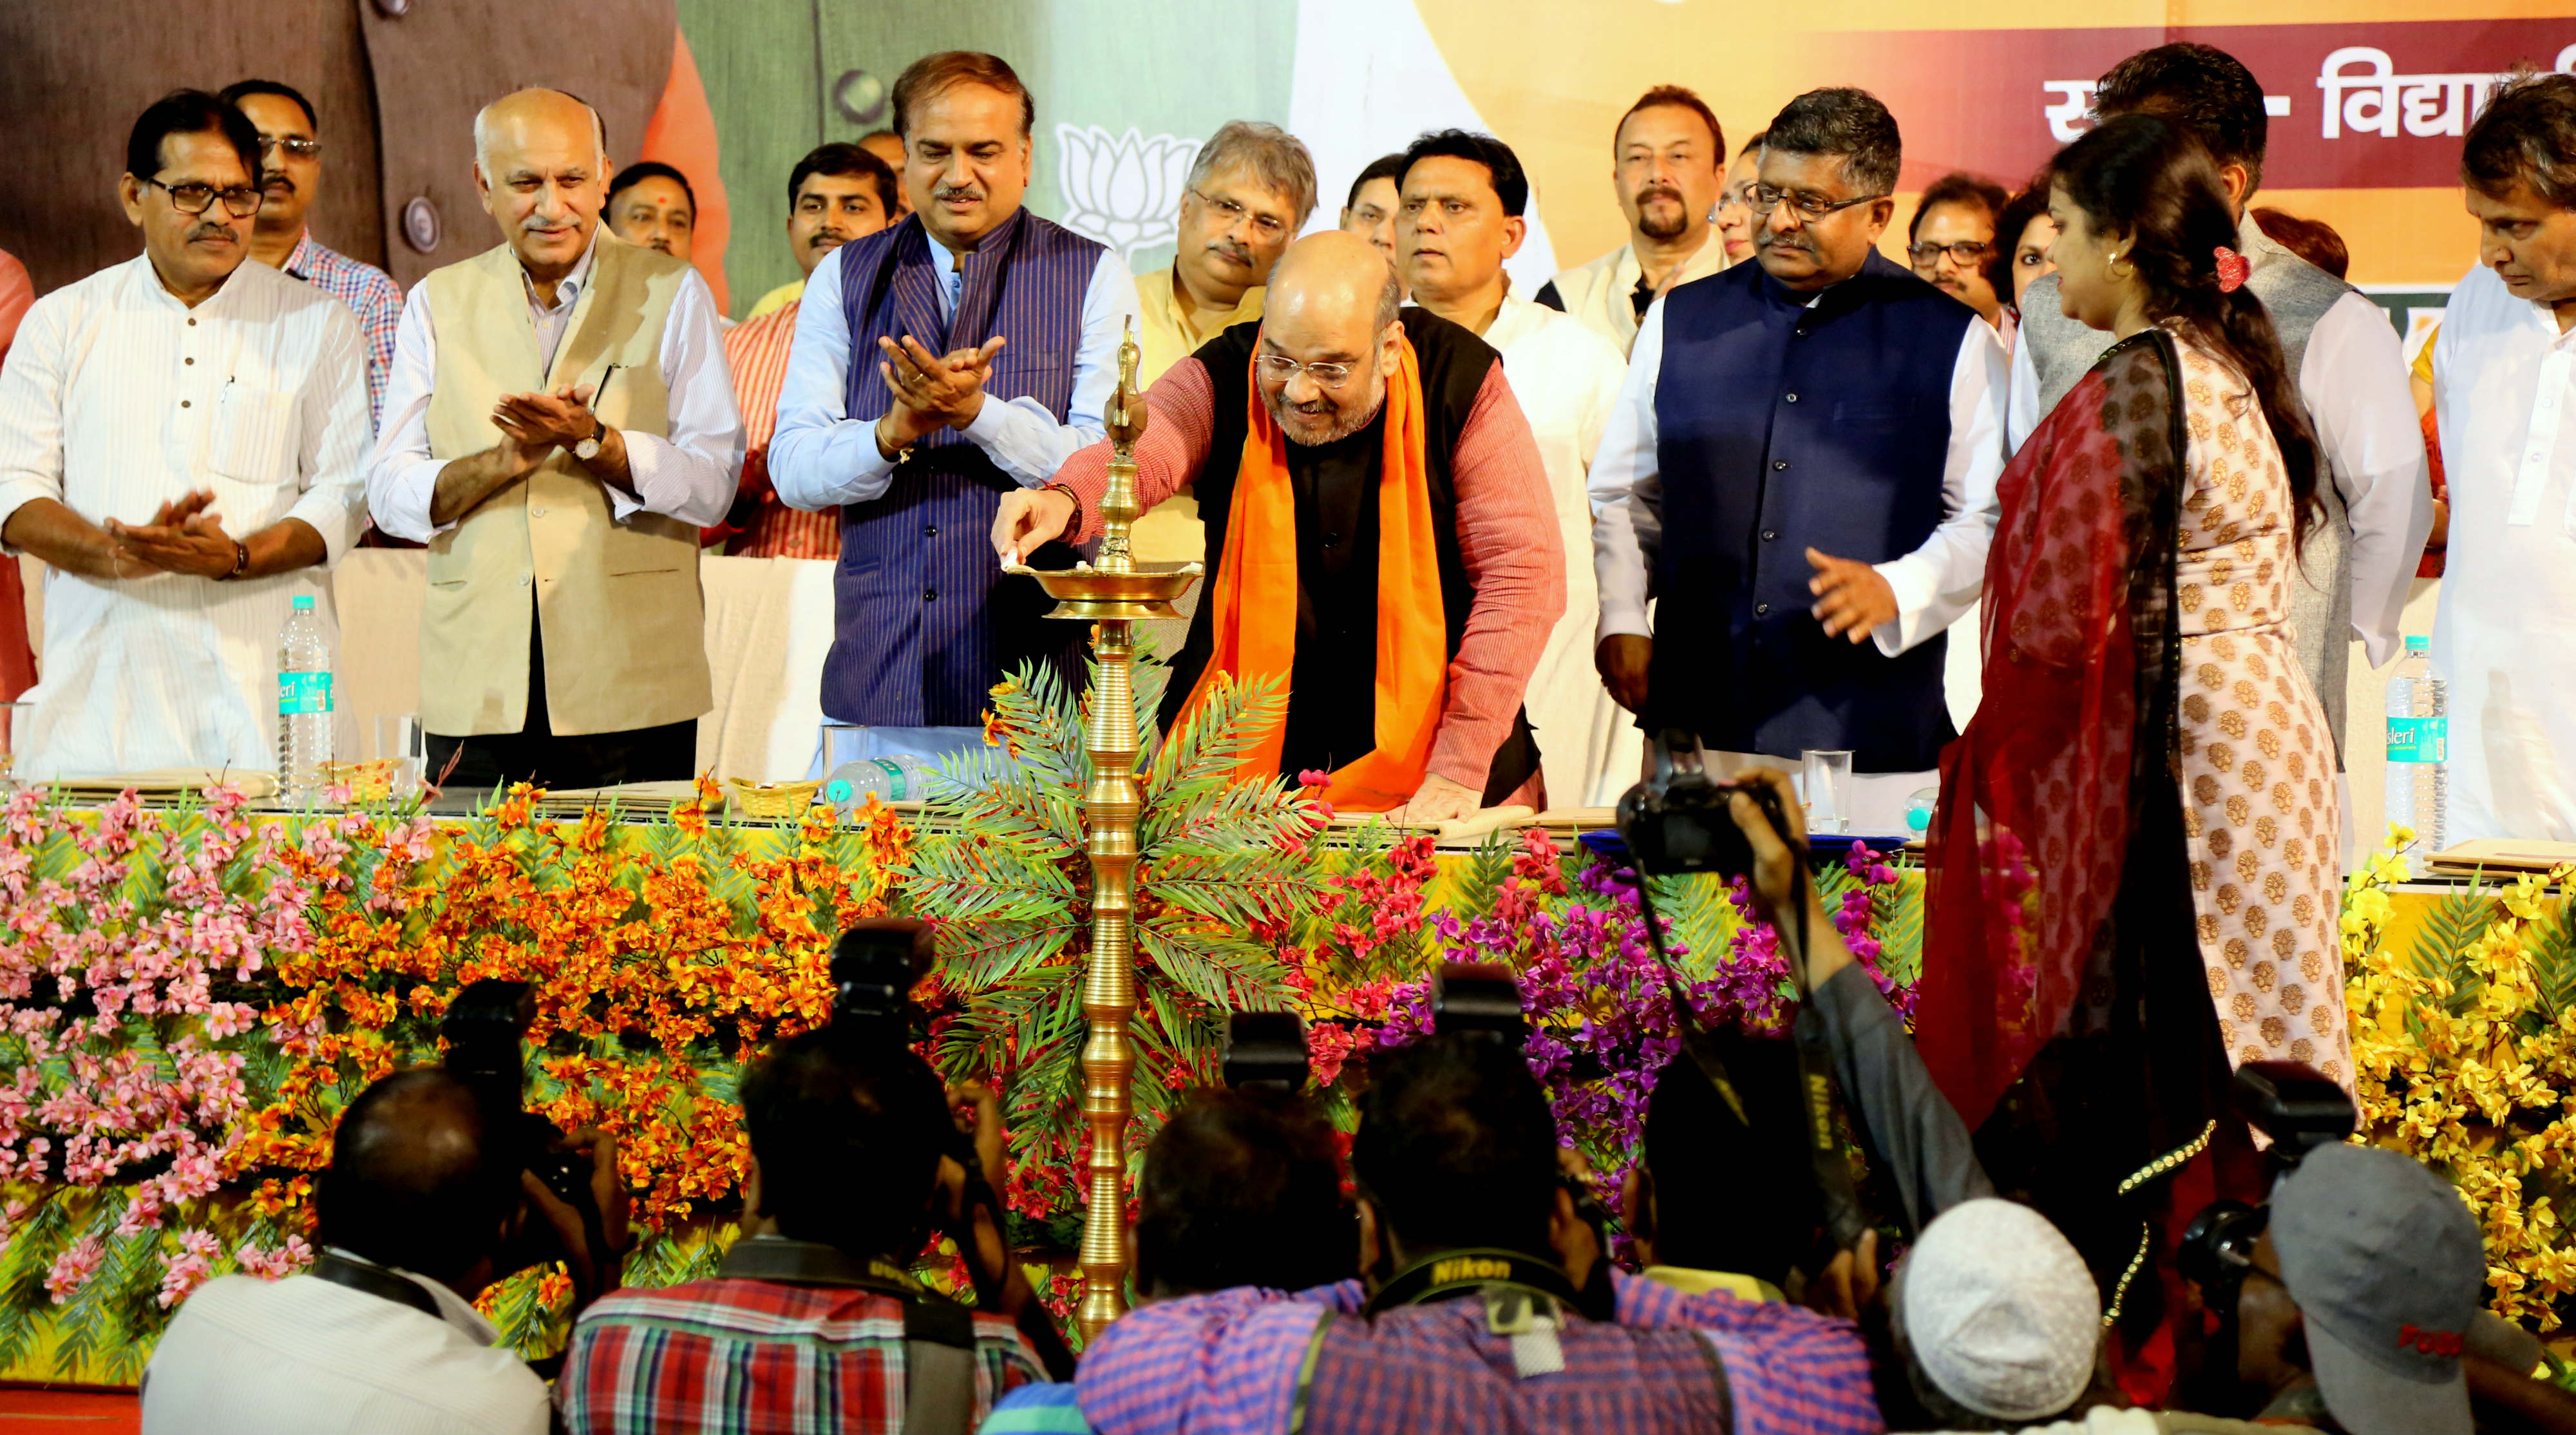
(2119, 266)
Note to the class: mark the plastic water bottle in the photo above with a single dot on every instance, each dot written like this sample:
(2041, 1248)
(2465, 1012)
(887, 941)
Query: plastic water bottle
(2419, 748)
(900, 778)
(303, 704)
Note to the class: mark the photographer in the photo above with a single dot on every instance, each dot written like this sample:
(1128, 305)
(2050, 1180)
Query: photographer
(1468, 1321)
(814, 1313)
(1240, 1188)
(423, 1206)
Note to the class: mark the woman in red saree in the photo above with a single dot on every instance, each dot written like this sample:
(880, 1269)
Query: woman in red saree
(2132, 869)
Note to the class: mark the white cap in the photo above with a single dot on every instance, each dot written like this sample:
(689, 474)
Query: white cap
(2000, 1312)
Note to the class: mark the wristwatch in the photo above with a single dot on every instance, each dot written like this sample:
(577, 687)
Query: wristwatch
(588, 448)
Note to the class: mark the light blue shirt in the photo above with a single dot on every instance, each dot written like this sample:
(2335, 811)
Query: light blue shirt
(820, 456)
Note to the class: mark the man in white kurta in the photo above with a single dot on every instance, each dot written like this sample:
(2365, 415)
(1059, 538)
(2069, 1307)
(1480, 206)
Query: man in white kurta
(2504, 380)
(181, 438)
(1458, 217)
(1668, 164)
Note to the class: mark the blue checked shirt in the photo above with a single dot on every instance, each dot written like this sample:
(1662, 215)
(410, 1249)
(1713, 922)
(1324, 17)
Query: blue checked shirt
(370, 293)
(1229, 1364)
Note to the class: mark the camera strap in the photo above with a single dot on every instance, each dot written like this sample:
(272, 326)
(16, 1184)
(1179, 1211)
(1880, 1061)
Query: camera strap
(938, 1333)
(376, 1281)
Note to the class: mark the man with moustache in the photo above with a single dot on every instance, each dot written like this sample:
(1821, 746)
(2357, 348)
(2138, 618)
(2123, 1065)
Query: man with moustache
(1802, 468)
(1384, 551)
(836, 193)
(940, 365)
(848, 194)
(1459, 219)
(1247, 195)
(559, 428)
(290, 179)
(1668, 161)
(180, 440)
(651, 206)
(1951, 238)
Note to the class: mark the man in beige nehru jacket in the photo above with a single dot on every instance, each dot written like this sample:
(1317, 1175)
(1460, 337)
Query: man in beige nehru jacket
(558, 428)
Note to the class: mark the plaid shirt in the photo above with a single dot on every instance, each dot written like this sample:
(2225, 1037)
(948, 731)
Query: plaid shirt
(370, 293)
(749, 1357)
(1228, 1364)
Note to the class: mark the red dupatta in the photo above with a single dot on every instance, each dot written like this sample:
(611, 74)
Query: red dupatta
(2037, 832)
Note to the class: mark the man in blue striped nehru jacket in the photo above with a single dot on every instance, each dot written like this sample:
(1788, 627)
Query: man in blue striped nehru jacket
(938, 365)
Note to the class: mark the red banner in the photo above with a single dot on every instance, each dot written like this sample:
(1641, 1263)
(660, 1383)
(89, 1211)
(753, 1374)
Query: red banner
(2354, 105)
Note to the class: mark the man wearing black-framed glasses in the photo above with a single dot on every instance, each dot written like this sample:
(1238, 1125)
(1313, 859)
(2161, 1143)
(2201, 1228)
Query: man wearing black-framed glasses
(290, 179)
(180, 438)
(1808, 486)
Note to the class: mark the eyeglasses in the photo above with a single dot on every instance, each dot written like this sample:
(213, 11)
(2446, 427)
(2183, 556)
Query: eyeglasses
(295, 145)
(1265, 225)
(194, 198)
(1810, 206)
(1279, 368)
(1969, 253)
(1735, 197)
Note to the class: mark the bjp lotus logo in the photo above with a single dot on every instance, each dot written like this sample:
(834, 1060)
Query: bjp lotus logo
(1123, 190)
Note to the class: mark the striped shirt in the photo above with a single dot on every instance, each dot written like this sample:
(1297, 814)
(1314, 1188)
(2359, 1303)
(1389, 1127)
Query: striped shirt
(756, 350)
(1232, 1363)
(117, 399)
(370, 293)
(731, 1356)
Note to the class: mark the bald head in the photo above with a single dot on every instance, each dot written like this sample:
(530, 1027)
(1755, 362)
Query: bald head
(549, 115)
(541, 168)
(1339, 273)
(416, 1180)
(1328, 322)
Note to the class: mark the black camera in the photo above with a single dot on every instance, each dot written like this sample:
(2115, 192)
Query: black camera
(874, 967)
(486, 1027)
(1265, 1051)
(1478, 998)
(1677, 820)
(2300, 1109)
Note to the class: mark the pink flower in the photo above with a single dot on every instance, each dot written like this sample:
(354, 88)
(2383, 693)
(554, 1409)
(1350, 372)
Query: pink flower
(72, 1269)
(285, 1261)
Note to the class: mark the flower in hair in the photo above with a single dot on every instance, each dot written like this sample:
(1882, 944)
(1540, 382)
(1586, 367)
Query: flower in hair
(2232, 270)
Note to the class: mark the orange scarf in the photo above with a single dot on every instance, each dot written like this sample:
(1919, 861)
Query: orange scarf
(1255, 593)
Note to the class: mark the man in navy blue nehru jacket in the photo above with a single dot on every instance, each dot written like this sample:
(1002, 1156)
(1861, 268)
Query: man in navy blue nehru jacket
(1801, 472)
(939, 364)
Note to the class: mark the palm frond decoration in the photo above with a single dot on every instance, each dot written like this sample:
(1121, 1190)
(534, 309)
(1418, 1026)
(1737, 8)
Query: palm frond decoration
(1003, 871)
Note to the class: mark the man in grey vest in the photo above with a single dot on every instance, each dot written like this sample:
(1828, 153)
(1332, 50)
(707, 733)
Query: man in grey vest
(2351, 374)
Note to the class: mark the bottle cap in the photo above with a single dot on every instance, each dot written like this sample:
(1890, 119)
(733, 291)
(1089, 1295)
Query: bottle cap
(2418, 643)
(303, 602)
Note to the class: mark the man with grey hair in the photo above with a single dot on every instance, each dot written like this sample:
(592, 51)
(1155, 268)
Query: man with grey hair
(1809, 487)
(1383, 548)
(558, 427)
(1248, 194)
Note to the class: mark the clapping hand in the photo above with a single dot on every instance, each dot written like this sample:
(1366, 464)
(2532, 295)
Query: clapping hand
(184, 536)
(932, 392)
(537, 422)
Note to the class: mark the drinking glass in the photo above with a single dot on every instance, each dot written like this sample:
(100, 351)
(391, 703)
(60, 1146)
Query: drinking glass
(401, 744)
(1828, 790)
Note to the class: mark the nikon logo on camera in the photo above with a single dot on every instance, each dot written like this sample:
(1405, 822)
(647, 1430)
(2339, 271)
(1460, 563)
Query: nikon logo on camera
(1469, 1268)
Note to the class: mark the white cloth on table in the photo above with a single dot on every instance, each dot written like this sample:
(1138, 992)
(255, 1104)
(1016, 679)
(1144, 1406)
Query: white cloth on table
(245, 1356)
(820, 456)
(689, 475)
(1567, 379)
(2504, 378)
(117, 398)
